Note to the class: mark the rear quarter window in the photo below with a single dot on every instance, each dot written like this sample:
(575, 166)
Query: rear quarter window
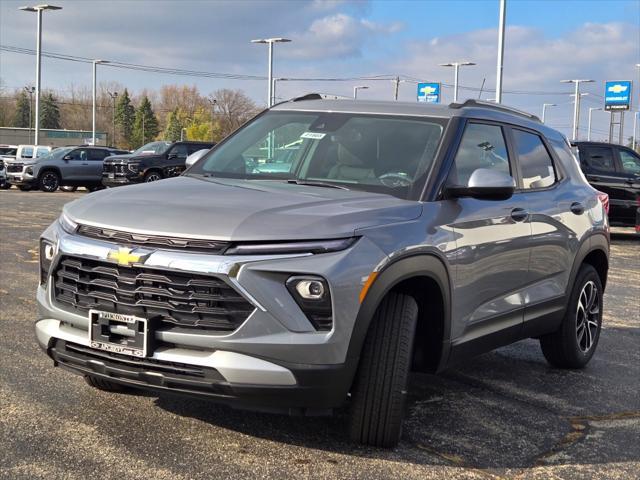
(536, 164)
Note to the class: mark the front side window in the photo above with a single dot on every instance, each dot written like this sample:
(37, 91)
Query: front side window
(355, 151)
(630, 163)
(180, 151)
(27, 152)
(482, 146)
(95, 154)
(153, 148)
(535, 162)
(79, 154)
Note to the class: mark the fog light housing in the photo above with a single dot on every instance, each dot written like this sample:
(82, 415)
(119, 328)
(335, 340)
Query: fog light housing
(47, 252)
(314, 298)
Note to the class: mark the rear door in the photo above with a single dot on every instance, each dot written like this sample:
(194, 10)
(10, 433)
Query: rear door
(628, 165)
(492, 245)
(94, 169)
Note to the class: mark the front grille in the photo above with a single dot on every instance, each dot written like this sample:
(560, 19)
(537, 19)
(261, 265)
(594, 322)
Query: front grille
(176, 299)
(157, 241)
(14, 167)
(117, 168)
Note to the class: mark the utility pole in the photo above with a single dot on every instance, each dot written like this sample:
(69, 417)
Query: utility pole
(396, 88)
(635, 127)
(355, 90)
(38, 9)
(544, 109)
(576, 104)
(213, 103)
(503, 13)
(30, 91)
(270, 42)
(114, 97)
(93, 110)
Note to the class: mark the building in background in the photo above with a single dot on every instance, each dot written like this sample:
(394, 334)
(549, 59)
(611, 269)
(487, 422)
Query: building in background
(54, 138)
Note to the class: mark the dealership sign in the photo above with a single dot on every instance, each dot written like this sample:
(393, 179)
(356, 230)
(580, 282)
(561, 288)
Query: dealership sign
(617, 95)
(429, 92)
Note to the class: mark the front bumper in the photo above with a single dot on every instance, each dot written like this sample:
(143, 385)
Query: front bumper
(274, 359)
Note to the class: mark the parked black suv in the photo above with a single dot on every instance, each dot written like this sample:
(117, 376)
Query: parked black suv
(151, 162)
(614, 170)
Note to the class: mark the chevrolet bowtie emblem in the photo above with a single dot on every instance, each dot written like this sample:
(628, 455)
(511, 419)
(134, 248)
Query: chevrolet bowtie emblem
(125, 256)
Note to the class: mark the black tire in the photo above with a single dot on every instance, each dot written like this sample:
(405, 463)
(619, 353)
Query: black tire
(94, 188)
(380, 387)
(105, 385)
(572, 346)
(152, 176)
(24, 188)
(5, 186)
(49, 181)
(67, 188)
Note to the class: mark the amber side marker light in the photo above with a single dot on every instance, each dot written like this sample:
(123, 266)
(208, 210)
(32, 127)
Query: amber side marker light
(367, 285)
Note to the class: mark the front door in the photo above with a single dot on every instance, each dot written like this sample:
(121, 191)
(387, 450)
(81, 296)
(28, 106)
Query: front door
(77, 164)
(492, 246)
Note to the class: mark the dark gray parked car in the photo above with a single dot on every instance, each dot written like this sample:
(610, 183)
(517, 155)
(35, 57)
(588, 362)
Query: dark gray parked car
(402, 236)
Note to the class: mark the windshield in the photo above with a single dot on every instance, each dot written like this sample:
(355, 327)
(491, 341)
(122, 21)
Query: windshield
(386, 154)
(153, 148)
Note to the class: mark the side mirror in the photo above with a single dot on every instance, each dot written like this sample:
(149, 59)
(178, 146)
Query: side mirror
(171, 156)
(486, 184)
(66, 158)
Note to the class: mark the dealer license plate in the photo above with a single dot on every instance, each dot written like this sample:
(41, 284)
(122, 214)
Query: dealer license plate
(117, 333)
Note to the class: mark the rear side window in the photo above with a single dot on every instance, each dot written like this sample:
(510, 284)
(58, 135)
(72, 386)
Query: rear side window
(95, 154)
(598, 158)
(630, 163)
(535, 162)
(482, 146)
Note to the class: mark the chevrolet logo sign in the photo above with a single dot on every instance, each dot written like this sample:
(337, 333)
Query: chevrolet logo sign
(126, 256)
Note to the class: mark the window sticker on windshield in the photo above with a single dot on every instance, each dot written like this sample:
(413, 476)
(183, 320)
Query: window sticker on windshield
(313, 135)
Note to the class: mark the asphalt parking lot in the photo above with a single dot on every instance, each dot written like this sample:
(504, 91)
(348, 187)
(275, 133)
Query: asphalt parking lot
(505, 414)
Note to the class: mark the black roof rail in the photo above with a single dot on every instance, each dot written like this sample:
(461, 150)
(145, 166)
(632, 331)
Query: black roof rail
(308, 96)
(495, 106)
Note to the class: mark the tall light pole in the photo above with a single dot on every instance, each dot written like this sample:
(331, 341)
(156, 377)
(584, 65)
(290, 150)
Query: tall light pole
(114, 97)
(270, 42)
(576, 104)
(38, 9)
(456, 68)
(355, 90)
(93, 112)
(30, 91)
(544, 109)
(503, 14)
(591, 109)
(635, 127)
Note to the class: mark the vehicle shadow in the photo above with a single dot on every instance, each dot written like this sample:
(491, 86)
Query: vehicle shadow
(504, 409)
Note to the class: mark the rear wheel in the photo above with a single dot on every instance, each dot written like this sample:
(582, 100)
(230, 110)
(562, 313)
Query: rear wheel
(49, 181)
(380, 386)
(105, 385)
(152, 176)
(575, 342)
(5, 186)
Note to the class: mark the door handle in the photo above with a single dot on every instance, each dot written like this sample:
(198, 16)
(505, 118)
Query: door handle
(577, 208)
(519, 214)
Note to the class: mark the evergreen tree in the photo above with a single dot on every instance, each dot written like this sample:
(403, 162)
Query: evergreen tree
(125, 114)
(174, 127)
(145, 125)
(50, 112)
(21, 115)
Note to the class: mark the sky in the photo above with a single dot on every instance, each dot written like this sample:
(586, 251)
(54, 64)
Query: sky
(546, 41)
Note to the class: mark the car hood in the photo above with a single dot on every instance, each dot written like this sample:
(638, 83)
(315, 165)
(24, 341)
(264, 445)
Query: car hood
(118, 158)
(236, 210)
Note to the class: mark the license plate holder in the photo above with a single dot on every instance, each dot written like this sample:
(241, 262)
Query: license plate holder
(119, 333)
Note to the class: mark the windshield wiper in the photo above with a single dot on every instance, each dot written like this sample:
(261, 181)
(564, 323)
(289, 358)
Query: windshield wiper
(315, 184)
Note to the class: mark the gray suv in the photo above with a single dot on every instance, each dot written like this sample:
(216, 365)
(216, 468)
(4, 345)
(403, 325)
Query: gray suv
(401, 236)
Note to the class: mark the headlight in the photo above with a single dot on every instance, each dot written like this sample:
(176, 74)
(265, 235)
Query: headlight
(67, 224)
(29, 171)
(133, 167)
(312, 295)
(281, 248)
(47, 252)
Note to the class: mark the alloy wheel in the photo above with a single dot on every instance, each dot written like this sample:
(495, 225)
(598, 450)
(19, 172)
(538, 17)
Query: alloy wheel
(153, 177)
(587, 316)
(50, 182)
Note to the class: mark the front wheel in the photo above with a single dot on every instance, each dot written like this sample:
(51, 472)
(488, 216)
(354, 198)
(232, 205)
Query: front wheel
(380, 387)
(152, 176)
(575, 342)
(105, 385)
(24, 188)
(49, 181)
